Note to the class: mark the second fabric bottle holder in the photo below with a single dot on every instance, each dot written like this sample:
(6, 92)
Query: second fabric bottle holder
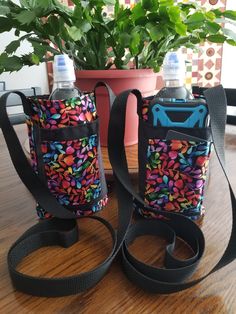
(173, 158)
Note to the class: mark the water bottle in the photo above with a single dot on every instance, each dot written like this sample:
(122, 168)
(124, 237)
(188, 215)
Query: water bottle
(174, 105)
(174, 77)
(63, 79)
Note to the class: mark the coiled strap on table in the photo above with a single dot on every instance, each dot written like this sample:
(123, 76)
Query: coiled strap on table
(171, 278)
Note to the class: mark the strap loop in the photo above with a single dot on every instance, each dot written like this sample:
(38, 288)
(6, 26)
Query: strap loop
(54, 232)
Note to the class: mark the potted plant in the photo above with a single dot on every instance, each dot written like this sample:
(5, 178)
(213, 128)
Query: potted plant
(128, 44)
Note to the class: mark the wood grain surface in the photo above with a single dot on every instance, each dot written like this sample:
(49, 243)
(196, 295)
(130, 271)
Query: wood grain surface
(132, 158)
(115, 294)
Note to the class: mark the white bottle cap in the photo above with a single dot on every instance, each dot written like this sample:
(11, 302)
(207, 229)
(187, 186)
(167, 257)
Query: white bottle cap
(63, 69)
(173, 66)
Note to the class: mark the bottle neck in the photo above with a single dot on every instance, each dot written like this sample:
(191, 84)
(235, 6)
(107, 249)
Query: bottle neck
(68, 84)
(174, 83)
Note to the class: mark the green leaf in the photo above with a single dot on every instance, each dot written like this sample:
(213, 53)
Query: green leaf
(216, 38)
(39, 48)
(153, 17)
(196, 18)
(5, 24)
(217, 12)
(231, 42)
(230, 14)
(194, 40)
(25, 3)
(117, 8)
(12, 47)
(150, 5)
(10, 64)
(46, 4)
(163, 11)
(134, 43)
(4, 10)
(53, 25)
(155, 66)
(27, 59)
(137, 12)
(78, 13)
(181, 29)
(186, 7)
(210, 15)
(85, 26)
(166, 3)
(141, 21)
(25, 17)
(17, 33)
(155, 31)
(75, 33)
(125, 39)
(39, 7)
(212, 27)
(35, 59)
(174, 14)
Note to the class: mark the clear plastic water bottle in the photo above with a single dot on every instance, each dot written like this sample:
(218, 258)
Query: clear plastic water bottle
(174, 72)
(63, 79)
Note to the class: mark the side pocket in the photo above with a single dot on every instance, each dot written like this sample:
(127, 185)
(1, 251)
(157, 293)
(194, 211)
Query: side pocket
(175, 175)
(70, 163)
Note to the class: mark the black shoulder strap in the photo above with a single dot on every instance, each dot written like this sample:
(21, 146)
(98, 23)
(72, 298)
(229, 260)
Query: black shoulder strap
(171, 278)
(111, 94)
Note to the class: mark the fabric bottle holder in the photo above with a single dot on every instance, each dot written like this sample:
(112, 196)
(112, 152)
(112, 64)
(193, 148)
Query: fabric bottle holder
(65, 153)
(172, 171)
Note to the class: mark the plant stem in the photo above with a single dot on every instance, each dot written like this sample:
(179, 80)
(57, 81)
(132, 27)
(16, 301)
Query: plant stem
(113, 41)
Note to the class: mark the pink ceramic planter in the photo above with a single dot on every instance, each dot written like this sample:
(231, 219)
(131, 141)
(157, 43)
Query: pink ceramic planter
(119, 80)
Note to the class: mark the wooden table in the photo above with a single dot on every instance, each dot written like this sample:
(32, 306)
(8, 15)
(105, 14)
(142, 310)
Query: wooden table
(132, 159)
(115, 294)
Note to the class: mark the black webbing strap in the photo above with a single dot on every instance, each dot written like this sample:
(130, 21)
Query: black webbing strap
(111, 95)
(171, 278)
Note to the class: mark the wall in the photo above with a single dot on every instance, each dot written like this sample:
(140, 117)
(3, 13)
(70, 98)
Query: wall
(28, 76)
(229, 57)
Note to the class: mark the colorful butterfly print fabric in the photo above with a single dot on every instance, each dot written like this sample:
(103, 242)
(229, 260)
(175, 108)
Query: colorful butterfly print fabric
(175, 175)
